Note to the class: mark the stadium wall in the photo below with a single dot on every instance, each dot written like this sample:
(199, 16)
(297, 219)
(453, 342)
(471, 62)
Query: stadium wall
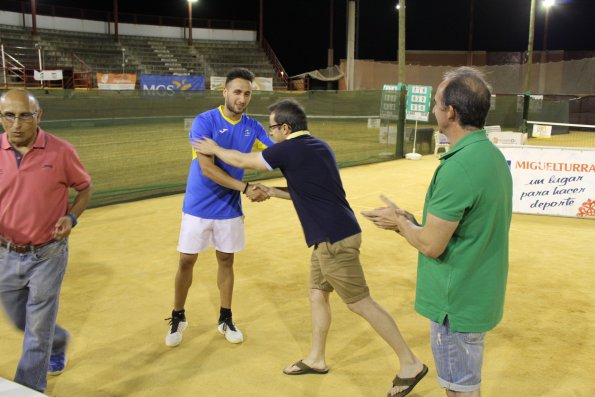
(573, 77)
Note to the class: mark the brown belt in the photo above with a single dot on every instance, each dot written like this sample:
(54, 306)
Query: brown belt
(22, 249)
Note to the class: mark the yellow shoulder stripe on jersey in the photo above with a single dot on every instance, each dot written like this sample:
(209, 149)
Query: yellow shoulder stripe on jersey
(227, 118)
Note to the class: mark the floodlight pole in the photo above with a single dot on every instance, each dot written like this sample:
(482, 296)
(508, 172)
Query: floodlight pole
(116, 37)
(544, 56)
(470, 38)
(330, 55)
(400, 147)
(350, 44)
(261, 23)
(527, 85)
(547, 4)
(190, 21)
(401, 53)
(33, 18)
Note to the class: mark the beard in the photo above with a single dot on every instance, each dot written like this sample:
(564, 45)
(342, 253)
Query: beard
(234, 108)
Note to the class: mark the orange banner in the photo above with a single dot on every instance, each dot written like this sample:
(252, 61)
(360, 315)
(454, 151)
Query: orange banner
(116, 81)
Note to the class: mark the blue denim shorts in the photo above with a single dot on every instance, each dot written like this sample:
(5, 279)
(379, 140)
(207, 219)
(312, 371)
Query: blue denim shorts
(458, 357)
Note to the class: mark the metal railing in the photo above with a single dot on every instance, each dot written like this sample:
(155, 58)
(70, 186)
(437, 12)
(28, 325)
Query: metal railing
(83, 77)
(281, 73)
(12, 69)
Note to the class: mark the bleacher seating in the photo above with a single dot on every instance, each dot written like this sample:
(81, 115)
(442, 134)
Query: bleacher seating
(90, 53)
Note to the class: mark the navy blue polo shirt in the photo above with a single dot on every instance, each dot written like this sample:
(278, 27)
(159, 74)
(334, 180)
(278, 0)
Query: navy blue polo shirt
(315, 186)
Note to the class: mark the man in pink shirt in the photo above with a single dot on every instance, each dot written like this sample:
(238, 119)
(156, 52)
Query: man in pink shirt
(36, 171)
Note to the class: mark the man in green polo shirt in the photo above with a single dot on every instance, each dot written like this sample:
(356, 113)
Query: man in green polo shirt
(463, 238)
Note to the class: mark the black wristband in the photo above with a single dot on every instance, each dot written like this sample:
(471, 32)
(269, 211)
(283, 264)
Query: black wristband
(246, 188)
(73, 219)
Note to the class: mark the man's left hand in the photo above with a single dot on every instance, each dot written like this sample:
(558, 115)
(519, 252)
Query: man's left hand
(62, 228)
(205, 146)
(384, 217)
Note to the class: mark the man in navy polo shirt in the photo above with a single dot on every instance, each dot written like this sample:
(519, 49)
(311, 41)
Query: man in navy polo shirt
(315, 188)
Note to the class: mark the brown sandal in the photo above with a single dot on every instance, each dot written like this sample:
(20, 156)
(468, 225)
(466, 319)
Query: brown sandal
(305, 369)
(409, 382)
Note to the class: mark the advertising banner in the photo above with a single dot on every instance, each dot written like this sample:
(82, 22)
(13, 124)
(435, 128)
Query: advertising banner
(263, 84)
(259, 84)
(552, 180)
(47, 75)
(116, 81)
(155, 82)
(507, 137)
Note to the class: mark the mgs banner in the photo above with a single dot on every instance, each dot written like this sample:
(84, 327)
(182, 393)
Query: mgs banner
(155, 82)
(552, 180)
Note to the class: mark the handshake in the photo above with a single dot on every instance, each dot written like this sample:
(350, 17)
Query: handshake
(259, 192)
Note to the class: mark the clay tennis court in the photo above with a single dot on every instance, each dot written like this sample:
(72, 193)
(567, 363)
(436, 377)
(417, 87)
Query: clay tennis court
(119, 288)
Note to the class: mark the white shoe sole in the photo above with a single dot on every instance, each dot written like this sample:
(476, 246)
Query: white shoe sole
(239, 337)
(170, 341)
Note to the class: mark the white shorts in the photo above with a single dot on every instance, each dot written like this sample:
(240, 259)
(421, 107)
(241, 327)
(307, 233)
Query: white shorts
(198, 234)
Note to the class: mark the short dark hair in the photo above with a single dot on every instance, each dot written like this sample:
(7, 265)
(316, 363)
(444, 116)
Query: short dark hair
(290, 112)
(239, 73)
(469, 94)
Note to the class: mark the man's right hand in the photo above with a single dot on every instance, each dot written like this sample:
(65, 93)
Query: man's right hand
(391, 204)
(258, 192)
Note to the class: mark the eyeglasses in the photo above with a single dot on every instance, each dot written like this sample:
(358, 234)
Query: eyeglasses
(271, 127)
(24, 117)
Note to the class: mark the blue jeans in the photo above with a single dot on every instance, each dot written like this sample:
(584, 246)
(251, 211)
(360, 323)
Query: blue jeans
(30, 291)
(458, 357)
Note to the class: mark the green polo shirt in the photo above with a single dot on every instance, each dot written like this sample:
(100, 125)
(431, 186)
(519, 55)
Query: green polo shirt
(467, 283)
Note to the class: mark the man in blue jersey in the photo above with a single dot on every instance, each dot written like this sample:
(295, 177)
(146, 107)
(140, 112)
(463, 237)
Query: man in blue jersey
(329, 224)
(212, 210)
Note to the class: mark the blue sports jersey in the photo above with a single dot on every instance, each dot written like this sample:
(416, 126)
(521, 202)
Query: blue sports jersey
(205, 198)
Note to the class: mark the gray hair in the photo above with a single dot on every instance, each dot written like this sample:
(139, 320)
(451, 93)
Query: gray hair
(469, 94)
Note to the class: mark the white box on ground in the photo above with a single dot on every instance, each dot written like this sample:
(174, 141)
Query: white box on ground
(507, 138)
(188, 124)
(388, 135)
(542, 131)
(373, 122)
